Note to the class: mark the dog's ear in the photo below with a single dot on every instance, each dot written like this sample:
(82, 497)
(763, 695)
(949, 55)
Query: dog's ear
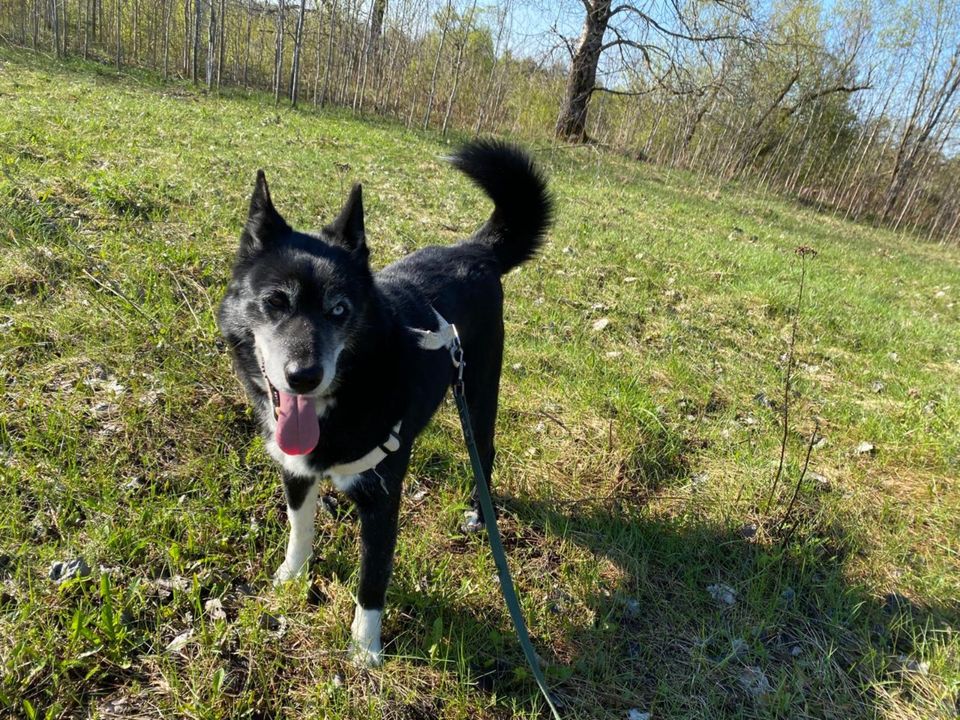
(347, 230)
(264, 223)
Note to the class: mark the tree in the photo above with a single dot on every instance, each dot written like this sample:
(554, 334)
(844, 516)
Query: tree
(641, 41)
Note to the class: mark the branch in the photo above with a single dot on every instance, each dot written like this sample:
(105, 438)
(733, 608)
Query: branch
(673, 33)
(840, 88)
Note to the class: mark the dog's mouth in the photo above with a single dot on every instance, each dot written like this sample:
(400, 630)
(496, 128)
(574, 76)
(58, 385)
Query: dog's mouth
(298, 428)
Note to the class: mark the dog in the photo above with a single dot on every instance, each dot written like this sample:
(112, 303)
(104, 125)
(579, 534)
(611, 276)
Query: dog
(331, 358)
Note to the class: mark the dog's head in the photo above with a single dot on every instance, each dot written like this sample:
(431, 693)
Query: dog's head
(297, 301)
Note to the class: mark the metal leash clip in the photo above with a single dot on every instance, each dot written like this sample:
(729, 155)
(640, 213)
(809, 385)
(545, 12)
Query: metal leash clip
(456, 354)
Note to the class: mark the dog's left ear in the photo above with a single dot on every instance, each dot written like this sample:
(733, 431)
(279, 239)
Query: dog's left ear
(264, 224)
(347, 230)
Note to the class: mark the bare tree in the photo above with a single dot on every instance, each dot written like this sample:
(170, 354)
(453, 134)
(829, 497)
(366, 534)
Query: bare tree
(297, 43)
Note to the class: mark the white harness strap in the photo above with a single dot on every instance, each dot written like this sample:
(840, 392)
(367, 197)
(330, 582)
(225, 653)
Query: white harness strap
(372, 458)
(444, 337)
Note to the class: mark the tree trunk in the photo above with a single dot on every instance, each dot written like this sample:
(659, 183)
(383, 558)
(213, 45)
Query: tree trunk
(119, 36)
(436, 66)
(278, 53)
(55, 23)
(297, 43)
(458, 66)
(211, 44)
(221, 41)
(572, 120)
(197, 24)
(167, 8)
(326, 73)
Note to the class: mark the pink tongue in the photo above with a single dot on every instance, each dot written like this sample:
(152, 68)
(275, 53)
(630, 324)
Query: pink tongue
(298, 430)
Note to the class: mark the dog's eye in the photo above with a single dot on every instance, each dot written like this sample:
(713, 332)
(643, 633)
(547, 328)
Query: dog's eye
(278, 300)
(338, 310)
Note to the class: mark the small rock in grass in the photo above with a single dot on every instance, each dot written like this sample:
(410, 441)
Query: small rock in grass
(748, 531)
(601, 324)
(214, 609)
(761, 399)
(914, 666)
(103, 408)
(635, 714)
(755, 682)
(820, 482)
(723, 593)
(796, 651)
(788, 595)
(134, 484)
(878, 386)
(61, 571)
(895, 603)
(865, 448)
(273, 624)
(632, 606)
(419, 495)
(179, 642)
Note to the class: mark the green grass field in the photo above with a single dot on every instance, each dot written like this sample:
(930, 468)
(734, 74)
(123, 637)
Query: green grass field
(635, 456)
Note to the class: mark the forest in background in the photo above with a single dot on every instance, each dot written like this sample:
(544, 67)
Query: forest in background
(851, 106)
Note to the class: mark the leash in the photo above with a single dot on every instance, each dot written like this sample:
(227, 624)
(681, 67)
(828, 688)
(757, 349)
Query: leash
(448, 333)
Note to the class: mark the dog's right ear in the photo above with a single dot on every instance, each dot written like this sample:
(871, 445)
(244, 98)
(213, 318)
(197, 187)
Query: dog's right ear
(264, 223)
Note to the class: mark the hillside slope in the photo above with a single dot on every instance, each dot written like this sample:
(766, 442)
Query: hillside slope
(639, 433)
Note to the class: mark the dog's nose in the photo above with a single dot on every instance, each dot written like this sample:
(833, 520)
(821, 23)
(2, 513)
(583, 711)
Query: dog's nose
(303, 378)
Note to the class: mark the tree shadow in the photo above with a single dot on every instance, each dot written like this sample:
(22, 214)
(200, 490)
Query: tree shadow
(689, 618)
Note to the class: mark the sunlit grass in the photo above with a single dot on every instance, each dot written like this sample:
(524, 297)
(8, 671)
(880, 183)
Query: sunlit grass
(634, 456)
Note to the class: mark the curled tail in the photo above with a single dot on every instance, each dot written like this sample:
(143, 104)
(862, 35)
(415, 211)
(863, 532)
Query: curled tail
(523, 209)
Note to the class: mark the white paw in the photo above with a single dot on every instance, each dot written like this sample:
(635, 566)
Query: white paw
(366, 656)
(290, 571)
(365, 648)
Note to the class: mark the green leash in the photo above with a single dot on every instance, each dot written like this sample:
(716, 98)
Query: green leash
(493, 532)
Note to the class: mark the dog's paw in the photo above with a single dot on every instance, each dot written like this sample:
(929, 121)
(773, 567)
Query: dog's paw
(369, 657)
(472, 523)
(286, 572)
(365, 647)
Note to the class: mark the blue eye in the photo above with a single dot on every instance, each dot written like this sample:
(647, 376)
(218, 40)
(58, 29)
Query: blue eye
(338, 310)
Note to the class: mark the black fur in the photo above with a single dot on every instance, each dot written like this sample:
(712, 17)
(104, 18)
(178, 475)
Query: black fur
(382, 375)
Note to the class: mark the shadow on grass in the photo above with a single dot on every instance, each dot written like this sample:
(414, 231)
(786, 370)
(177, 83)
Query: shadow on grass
(797, 636)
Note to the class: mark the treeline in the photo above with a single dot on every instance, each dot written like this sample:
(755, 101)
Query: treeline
(852, 106)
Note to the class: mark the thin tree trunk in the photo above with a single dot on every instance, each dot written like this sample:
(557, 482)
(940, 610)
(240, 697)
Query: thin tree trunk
(324, 96)
(197, 24)
(211, 44)
(278, 54)
(297, 43)
(221, 41)
(436, 66)
(119, 37)
(167, 8)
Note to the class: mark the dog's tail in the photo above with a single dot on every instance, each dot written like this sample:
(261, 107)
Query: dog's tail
(523, 209)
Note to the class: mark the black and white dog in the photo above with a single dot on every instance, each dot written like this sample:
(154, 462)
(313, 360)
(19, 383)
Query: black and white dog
(330, 356)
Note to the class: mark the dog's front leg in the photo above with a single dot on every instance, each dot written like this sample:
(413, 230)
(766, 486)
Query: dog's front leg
(378, 511)
(301, 494)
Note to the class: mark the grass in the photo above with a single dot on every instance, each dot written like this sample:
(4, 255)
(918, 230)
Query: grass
(634, 460)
